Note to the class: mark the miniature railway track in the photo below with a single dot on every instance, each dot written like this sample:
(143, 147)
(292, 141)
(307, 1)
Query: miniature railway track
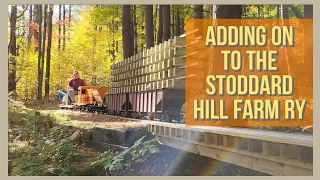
(274, 153)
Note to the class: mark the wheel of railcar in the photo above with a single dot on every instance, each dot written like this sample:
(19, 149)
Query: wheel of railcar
(166, 117)
(176, 117)
(138, 115)
(151, 116)
(182, 118)
(135, 115)
(161, 117)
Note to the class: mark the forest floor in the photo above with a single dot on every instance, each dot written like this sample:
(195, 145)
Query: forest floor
(40, 143)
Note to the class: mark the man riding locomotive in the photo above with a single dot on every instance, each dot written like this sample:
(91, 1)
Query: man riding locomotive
(73, 85)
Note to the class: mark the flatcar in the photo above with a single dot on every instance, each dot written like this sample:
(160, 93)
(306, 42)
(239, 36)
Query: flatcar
(158, 104)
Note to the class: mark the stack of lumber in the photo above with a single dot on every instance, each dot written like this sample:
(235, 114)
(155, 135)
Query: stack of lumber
(161, 66)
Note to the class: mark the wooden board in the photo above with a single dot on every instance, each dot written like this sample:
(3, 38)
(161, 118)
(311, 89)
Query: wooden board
(96, 96)
(153, 68)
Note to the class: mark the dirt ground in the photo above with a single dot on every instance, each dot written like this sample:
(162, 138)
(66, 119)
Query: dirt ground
(88, 120)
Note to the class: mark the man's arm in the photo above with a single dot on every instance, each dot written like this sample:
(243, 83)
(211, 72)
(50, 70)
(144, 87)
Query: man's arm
(69, 84)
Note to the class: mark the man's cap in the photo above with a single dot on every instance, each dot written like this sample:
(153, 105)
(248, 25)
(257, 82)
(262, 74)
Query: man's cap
(75, 72)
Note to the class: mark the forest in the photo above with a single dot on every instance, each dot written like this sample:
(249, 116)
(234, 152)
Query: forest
(47, 42)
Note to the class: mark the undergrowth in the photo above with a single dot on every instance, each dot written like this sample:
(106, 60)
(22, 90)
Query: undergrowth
(124, 162)
(39, 146)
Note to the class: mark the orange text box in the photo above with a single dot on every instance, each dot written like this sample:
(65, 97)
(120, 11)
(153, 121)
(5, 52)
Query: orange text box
(252, 72)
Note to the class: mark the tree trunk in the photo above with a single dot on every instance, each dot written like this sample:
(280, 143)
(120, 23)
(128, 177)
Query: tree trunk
(30, 28)
(223, 12)
(39, 11)
(160, 30)
(278, 11)
(126, 31)
(178, 24)
(142, 23)
(44, 41)
(155, 17)
(285, 11)
(47, 80)
(198, 11)
(59, 22)
(135, 31)
(94, 68)
(112, 51)
(287, 52)
(69, 16)
(308, 14)
(12, 49)
(36, 30)
(308, 11)
(149, 25)
(116, 30)
(64, 28)
(172, 24)
(44, 38)
(198, 14)
(228, 11)
(131, 33)
(182, 26)
(166, 22)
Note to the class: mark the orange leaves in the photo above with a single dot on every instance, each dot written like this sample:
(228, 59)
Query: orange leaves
(62, 22)
(33, 25)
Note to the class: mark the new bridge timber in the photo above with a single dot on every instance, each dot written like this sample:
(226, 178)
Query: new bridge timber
(274, 153)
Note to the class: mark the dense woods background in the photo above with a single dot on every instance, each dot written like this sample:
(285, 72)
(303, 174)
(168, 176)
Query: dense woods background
(47, 42)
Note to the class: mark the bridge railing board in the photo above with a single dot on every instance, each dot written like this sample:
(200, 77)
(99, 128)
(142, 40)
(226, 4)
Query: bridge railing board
(270, 152)
(154, 68)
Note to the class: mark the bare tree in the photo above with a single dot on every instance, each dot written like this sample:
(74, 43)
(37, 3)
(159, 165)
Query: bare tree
(308, 14)
(43, 44)
(126, 31)
(228, 11)
(64, 28)
(12, 49)
(39, 15)
(59, 22)
(178, 24)
(149, 25)
(69, 16)
(134, 29)
(285, 11)
(198, 11)
(160, 30)
(308, 11)
(166, 22)
(47, 79)
(30, 28)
